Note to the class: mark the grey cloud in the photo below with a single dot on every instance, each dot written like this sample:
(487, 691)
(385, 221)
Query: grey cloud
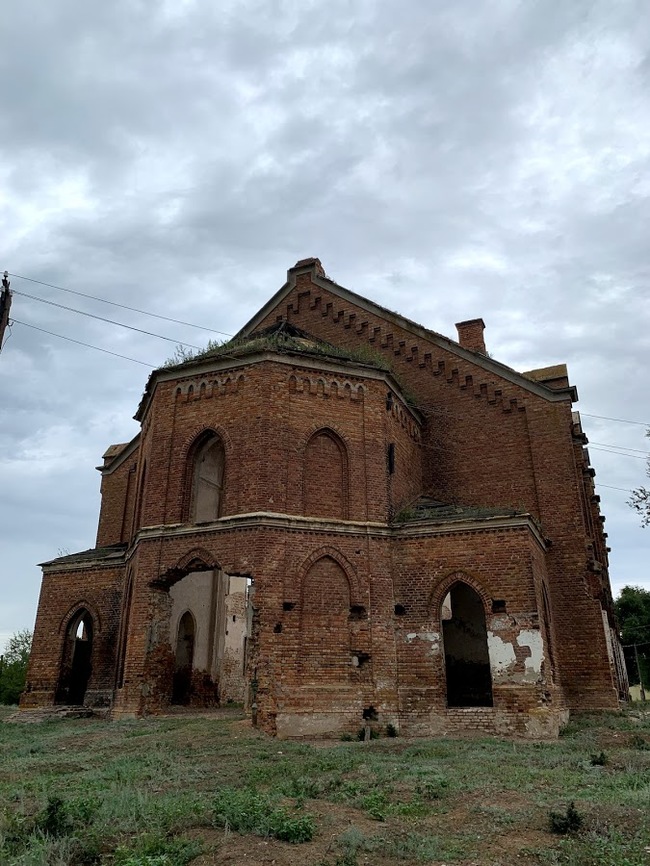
(449, 160)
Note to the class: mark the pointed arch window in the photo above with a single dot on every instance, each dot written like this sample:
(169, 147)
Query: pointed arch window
(207, 484)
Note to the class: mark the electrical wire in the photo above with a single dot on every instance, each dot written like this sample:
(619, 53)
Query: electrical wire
(609, 487)
(122, 306)
(79, 343)
(622, 420)
(102, 319)
(609, 445)
(619, 453)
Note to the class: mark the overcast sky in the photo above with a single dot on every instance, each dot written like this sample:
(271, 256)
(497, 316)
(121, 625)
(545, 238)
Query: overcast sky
(447, 158)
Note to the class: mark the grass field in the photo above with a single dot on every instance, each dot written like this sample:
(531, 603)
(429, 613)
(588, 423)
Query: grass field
(210, 790)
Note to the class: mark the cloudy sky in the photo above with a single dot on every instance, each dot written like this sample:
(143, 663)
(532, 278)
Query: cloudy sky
(447, 158)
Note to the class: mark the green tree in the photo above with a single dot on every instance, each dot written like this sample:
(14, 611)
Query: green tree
(640, 500)
(633, 613)
(13, 670)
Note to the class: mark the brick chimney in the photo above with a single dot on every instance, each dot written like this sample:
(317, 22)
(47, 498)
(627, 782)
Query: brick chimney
(470, 335)
(310, 262)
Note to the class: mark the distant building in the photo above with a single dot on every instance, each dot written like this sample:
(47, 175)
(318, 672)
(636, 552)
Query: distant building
(344, 518)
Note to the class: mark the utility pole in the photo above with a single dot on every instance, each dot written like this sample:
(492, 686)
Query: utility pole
(638, 669)
(5, 306)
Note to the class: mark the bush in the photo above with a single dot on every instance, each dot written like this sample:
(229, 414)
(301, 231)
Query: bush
(13, 668)
(157, 850)
(566, 822)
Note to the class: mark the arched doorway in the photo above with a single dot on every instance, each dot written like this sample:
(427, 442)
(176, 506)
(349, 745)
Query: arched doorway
(76, 665)
(467, 662)
(184, 659)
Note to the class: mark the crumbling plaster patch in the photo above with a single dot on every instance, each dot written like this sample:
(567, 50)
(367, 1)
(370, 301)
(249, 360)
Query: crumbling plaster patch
(502, 655)
(432, 637)
(532, 639)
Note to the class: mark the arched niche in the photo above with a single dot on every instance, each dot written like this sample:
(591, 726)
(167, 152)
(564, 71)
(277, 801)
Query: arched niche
(325, 655)
(325, 487)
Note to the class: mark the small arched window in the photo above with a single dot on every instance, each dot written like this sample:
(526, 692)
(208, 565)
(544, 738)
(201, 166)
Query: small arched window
(207, 486)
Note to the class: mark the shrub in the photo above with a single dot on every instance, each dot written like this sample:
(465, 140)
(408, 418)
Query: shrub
(157, 850)
(566, 822)
(247, 811)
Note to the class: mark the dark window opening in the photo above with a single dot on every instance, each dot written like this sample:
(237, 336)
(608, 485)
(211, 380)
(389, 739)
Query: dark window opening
(467, 663)
(400, 610)
(182, 682)
(391, 458)
(76, 666)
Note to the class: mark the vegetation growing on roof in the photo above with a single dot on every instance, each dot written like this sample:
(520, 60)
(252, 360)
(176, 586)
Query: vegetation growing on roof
(276, 342)
(284, 338)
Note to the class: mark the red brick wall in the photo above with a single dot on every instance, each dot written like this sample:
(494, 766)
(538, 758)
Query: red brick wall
(62, 595)
(329, 641)
(488, 442)
(118, 491)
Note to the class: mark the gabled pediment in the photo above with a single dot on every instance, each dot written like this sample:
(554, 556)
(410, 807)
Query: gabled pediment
(314, 271)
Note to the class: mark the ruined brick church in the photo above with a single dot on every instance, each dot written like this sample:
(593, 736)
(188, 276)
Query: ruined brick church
(341, 518)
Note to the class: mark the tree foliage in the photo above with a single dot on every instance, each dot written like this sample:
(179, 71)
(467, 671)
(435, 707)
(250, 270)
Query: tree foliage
(14, 666)
(633, 613)
(640, 500)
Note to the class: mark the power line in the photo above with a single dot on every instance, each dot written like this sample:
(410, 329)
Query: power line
(624, 447)
(122, 306)
(622, 420)
(609, 487)
(619, 453)
(79, 343)
(102, 319)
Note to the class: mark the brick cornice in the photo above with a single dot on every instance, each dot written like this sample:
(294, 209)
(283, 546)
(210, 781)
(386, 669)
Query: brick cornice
(317, 525)
(207, 366)
(297, 523)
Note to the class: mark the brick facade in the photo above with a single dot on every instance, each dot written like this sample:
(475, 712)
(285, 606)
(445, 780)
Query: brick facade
(411, 527)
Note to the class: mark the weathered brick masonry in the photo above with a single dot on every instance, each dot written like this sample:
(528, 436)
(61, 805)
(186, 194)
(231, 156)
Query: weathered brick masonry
(346, 519)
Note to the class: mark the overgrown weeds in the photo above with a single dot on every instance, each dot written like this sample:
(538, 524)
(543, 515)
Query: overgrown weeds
(87, 793)
(246, 811)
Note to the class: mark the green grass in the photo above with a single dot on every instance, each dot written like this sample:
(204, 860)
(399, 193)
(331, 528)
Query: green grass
(160, 792)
